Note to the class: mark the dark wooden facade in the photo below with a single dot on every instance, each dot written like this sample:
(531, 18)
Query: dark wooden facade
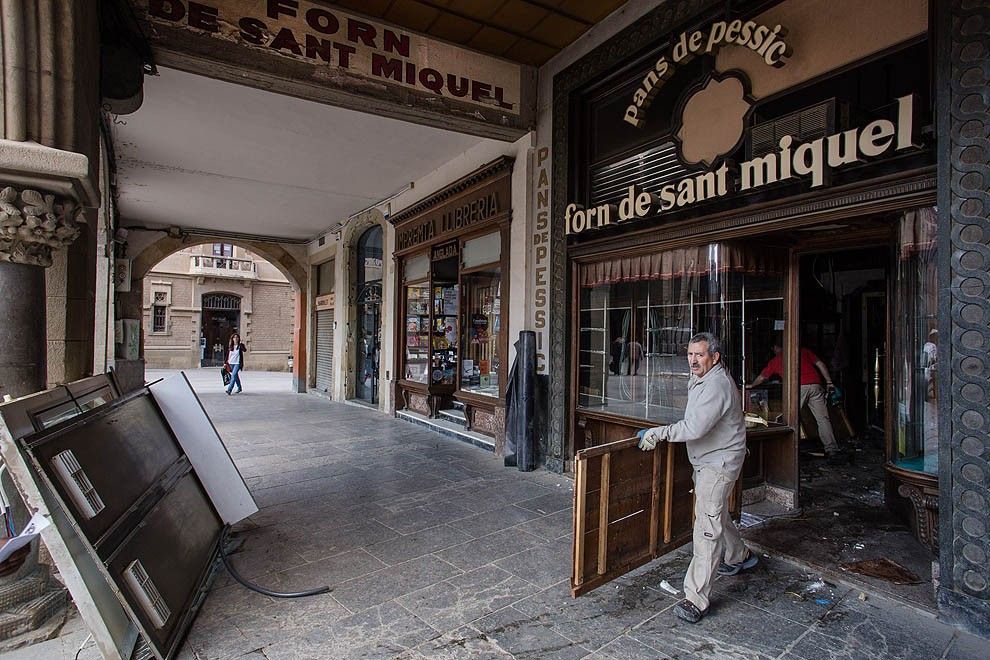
(428, 228)
(866, 200)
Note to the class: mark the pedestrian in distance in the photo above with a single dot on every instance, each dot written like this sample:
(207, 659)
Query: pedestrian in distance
(715, 437)
(235, 362)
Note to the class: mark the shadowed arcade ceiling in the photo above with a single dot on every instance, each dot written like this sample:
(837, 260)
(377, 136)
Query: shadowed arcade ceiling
(524, 31)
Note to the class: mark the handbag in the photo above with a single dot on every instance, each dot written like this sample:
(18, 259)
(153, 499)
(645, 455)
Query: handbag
(225, 374)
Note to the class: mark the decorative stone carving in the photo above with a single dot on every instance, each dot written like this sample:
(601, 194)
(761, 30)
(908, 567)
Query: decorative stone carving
(925, 507)
(499, 430)
(417, 402)
(33, 224)
(963, 115)
(484, 421)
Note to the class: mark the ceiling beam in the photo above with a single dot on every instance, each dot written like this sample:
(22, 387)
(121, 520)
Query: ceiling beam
(514, 33)
(557, 10)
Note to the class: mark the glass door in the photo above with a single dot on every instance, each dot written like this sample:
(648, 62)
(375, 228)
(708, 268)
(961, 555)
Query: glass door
(367, 341)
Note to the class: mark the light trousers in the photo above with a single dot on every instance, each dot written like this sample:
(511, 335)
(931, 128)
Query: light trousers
(235, 378)
(715, 535)
(813, 396)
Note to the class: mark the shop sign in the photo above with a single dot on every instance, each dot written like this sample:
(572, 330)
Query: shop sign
(445, 251)
(334, 39)
(812, 160)
(451, 219)
(541, 258)
(765, 41)
(325, 302)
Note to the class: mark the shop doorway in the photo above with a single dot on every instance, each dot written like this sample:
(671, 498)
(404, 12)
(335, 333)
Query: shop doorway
(219, 319)
(851, 518)
(368, 298)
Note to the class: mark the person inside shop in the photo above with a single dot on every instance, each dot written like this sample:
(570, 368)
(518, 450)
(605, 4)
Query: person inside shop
(812, 394)
(635, 356)
(235, 362)
(615, 354)
(715, 437)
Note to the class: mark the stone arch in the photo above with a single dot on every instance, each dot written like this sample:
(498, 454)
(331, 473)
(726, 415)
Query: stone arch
(290, 260)
(290, 265)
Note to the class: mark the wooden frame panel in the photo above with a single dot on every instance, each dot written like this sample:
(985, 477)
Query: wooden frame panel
(630, 507)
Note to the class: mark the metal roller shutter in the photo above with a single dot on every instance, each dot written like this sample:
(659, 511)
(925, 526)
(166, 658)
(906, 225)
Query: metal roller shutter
(324, 350)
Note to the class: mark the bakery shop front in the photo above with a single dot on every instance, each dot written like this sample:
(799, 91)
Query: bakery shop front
(743, 176)
(452, 261)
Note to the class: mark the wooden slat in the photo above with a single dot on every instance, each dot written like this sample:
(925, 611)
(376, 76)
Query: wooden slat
(627, 539)
(604, 450)
(655, 503)
(603, 516)
(668, 496)
(580, 477)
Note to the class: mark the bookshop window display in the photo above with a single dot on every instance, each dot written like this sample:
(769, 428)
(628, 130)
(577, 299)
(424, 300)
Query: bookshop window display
(452, 322)
(453, 316)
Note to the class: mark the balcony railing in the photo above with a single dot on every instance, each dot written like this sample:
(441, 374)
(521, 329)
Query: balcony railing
(244, 269)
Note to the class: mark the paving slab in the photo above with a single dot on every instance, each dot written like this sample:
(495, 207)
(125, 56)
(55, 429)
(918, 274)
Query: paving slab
(433, 549)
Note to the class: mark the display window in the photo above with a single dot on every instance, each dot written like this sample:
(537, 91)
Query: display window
(637, 314)
(916, 345)
(447, 344)
(418, 325)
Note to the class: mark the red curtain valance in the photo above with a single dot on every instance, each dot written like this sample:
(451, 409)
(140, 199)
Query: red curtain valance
(694, 261)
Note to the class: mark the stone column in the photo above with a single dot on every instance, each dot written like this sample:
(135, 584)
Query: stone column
(32, 224)
(961, 32)
(49, 137)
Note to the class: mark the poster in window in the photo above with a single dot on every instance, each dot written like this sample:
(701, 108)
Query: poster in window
(479, 328)
(450, 300)
(450, 329)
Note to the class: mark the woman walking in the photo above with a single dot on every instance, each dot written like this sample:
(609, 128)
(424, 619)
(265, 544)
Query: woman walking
(235, 362)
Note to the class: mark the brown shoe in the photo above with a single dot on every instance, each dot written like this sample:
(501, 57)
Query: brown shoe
(689, 611)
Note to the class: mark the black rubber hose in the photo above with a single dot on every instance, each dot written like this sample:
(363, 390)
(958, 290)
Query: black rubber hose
(261, 590)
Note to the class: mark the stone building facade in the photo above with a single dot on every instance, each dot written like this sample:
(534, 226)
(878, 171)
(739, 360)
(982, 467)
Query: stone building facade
(197, 297)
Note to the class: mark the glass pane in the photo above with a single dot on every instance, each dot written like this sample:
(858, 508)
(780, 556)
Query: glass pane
(324, 278)
(483, 250)
(446, 306)
(417, 268)
(481, 361)
(369, 255)
(633, 336)
(916, 344)
(417, 342)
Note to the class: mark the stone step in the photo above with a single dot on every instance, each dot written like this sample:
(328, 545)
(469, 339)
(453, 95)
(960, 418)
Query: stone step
(448, 428)
(32, 614)
(24, 589)
(453, 415)
(458, 405)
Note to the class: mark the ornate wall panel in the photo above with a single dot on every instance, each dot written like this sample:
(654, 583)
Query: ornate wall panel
(963, 38)
(645, 31)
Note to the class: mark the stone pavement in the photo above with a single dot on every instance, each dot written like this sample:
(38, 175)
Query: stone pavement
(432, 549)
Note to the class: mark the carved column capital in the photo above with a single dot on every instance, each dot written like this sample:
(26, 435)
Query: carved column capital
(34, 223)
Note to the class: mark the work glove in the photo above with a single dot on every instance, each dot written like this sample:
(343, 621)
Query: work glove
(648, 438)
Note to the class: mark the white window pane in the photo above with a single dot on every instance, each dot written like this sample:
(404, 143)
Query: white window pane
(417, 267)
(482, 250)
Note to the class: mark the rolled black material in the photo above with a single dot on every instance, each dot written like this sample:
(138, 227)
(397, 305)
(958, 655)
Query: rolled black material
(521, 410)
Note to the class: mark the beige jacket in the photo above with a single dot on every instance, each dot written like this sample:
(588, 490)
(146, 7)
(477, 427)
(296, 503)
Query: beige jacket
(713, 427)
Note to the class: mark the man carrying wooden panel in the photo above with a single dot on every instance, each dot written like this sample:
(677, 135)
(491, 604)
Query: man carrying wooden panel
(715, 438)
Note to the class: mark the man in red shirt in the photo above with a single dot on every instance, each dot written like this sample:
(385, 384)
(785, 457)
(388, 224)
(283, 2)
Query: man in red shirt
(812, 393)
